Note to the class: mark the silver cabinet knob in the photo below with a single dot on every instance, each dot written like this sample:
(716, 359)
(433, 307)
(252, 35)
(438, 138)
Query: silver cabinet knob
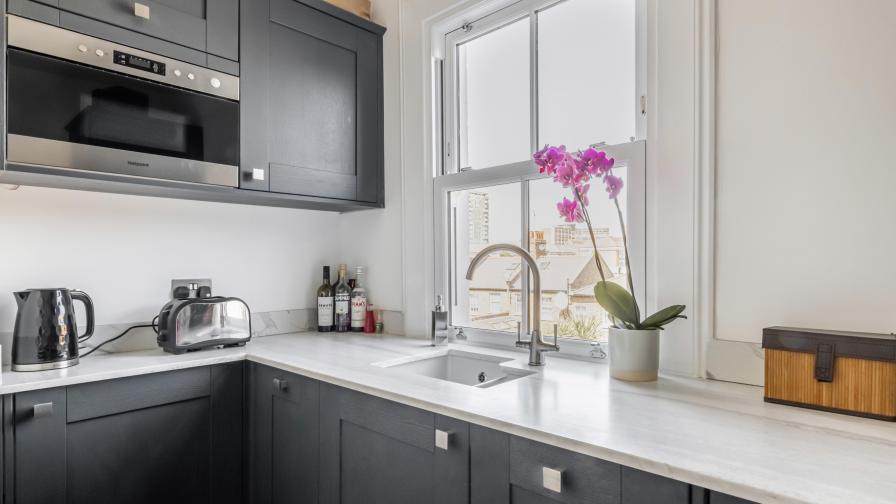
(177, 72)
(442, 439)
(281, 385)
(215, 82)
(82, 47)
(552, 479)
(141, 10)
(100, 53)
(42, 410)
(191, 76)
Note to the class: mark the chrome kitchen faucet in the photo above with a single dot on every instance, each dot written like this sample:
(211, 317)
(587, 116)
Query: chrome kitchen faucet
(536, 344)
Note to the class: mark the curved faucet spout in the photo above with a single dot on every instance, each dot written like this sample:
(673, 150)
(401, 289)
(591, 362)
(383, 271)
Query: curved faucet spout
(533, 267)
(536, 345)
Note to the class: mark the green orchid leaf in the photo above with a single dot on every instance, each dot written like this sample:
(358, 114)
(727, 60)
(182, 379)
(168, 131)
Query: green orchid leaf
(618, 302)
(664, 316)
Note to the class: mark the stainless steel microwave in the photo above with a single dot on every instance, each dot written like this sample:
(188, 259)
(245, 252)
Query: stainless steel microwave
(82, 103)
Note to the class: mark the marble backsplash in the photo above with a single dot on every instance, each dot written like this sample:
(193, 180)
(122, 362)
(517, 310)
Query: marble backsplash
(263, 324)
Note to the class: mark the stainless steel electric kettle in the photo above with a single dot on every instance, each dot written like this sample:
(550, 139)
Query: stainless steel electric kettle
(46, 332)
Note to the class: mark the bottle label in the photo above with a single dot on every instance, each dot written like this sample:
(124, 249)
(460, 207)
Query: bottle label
(342, 304)
(325, 311)
(359, 311)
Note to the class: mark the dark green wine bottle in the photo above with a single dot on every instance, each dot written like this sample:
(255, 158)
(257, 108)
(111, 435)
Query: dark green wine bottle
(325, 302)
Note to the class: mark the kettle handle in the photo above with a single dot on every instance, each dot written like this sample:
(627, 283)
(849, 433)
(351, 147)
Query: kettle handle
(88, 306)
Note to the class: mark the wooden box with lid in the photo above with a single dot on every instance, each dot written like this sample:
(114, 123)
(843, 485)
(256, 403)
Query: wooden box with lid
(844, 372)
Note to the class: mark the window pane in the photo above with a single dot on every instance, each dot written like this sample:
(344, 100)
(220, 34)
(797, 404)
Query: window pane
(481, 217)
(493, 97)
(586, 73)
(565, 258)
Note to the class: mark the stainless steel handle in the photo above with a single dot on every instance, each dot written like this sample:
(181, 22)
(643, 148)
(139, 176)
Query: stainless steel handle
(442, 439)
(281, 385)
(42, 410)
(552, 479)
(141, 10)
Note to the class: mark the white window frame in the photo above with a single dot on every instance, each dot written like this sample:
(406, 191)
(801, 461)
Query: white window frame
(448, 177)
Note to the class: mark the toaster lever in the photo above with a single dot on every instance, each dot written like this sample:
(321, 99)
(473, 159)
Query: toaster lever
(281, 385)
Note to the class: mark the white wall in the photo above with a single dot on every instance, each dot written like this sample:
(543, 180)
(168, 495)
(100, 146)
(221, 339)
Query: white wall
(805, 179)
(373, 238)
(123, 250)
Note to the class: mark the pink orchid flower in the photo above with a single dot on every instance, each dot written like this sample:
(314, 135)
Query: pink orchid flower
(583, 193)
(549, 158)
(614, 185)
(567, 173)
(570, 211)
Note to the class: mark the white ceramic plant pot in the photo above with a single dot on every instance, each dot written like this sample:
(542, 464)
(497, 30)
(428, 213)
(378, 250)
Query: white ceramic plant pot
(634, 355)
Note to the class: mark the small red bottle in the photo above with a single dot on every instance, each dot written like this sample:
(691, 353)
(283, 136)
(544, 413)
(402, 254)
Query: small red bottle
(370, 320)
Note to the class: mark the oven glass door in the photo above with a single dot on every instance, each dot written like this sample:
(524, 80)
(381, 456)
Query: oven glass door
(70, 115)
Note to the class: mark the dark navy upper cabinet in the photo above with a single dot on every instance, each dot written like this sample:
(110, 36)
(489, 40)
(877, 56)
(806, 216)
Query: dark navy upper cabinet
(283, 437)
(373, 451)
(169, 437)
(312, 102)
(203, 32)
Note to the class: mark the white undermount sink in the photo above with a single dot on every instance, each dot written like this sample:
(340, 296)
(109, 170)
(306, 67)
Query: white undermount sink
(467, 368)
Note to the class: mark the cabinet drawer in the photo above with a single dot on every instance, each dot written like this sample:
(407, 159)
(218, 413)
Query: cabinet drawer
(544, 469)
(184, 24)
(282, 384)
(91, 400)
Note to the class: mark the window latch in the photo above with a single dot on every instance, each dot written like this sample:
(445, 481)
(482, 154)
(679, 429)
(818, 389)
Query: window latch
(467, 27)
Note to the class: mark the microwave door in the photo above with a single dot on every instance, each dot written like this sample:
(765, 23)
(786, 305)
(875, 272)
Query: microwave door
(69, 115)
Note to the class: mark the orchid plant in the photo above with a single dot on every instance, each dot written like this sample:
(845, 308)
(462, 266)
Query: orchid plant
(577, 171)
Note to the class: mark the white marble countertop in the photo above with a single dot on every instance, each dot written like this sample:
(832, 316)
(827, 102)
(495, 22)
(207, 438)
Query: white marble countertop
(717, 435)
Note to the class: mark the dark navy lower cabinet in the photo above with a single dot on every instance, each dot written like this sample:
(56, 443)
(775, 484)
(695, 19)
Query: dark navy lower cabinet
(375, 451)
(283, 437)
(174, 437)
(248, 433)
(718, 498)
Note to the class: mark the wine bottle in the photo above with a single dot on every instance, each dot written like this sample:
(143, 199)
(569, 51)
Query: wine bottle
(342, 302)
(325, 301)
(359, 301)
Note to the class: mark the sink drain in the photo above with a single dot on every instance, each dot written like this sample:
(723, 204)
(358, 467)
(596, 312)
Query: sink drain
(482, 377)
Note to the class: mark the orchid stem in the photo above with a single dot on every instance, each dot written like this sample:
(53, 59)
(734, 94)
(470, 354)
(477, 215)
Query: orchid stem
(628, 266)
(600, 268)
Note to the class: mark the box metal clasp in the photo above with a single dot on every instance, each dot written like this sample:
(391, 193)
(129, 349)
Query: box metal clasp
(824, 362)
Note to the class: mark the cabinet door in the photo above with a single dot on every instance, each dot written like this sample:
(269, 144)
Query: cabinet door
(206, 25)
(168, 437)
(38, 467)
(720, 498)
(375, 451)
(284, 439)
(312, 103)
(639, 487)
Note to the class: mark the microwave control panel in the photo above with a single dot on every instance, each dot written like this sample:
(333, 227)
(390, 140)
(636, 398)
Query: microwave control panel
(130, 60)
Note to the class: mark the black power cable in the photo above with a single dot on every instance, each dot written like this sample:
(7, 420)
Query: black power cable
(153, 324)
